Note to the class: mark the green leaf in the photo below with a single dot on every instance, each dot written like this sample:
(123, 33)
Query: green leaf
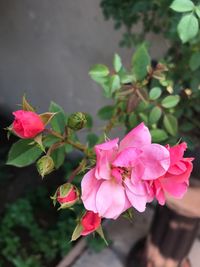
(26, 106)
(194, 62)
(188, 27)
(155, 93)
(49, 140)
(77, 232)
(23, 154)
(144, 117)
(187, 126)
(106, 112)
(47, 117)
(100, 232)
(127, 78)
(114, 83)
(158, 135)
(170, 101)
(92, 139)
(99, 70)
(117, 63)
(140, 62)
(155, 115)
(89, 120)
(182, 5)
(68, 148)
(58, 121)
(197, 10)
(58, 157)
(133, 121)
(171, 124)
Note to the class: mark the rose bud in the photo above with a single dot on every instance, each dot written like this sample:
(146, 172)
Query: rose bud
(66, 195)
(27, 124)
(90, 222)
(45, 165)
(77, 121)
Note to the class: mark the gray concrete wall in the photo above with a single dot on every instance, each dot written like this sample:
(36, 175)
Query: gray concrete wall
(47, 48)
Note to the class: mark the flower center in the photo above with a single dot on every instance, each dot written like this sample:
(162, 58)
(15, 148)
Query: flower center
(120, 173)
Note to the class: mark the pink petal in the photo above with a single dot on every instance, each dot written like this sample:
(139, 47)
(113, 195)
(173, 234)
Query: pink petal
(184, 176)
(137, 187)
(177, 168)
(138, 137)
(105, 153)
(107, 145)
(176, 152)
(136, 194)
(154, 161)
(138, 202)
(89, 188)
(174, 189)
(110, 200)
(159, 193)
(127, 157)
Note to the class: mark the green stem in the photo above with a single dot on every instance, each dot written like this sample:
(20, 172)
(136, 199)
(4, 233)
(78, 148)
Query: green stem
(78, 146)
(54, 133)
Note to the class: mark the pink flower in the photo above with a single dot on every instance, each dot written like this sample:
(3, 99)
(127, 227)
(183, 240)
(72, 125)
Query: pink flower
(122, 173)
(27, 124)
(176, 180)
(90, 222)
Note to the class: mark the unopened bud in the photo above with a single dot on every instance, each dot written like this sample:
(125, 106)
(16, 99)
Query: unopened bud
(45, 165)
(66, 195)
(77, 121)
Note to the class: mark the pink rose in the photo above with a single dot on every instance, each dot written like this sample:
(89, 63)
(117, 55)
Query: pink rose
(122, 173)
(27, 124)
(176, 180)
(90, 222)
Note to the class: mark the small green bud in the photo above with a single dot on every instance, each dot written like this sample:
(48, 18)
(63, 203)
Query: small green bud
(45, 165)
(77, 121)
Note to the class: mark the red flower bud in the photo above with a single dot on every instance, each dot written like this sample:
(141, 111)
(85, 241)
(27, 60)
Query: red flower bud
(27, 124)
(90, 222)
(66, 195)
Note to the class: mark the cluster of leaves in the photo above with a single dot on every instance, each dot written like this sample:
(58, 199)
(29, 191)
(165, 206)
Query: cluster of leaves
(188, 26)
(27, 239)
(177, 21)
(142, 94)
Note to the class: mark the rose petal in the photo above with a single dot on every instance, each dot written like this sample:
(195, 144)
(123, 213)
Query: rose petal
(105, 153)
(138, 137)
(154, 161)
(89, 188)
(174, 189)
(127, 157)
(110, 200)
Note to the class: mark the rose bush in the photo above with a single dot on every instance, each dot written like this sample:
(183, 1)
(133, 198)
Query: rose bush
(115, 176)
